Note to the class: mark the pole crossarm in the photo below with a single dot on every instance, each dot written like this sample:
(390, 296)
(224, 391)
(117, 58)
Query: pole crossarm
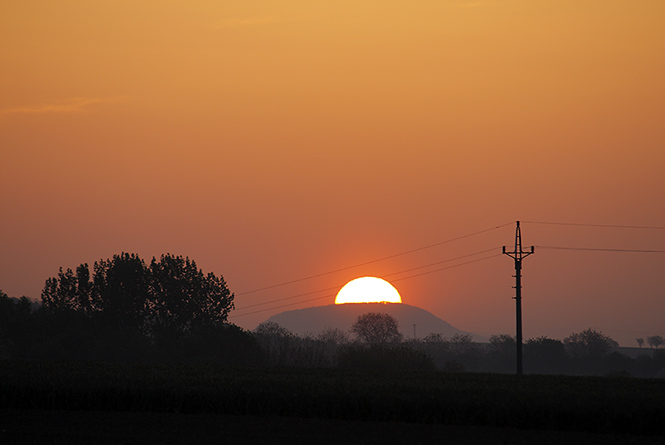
(518, 254)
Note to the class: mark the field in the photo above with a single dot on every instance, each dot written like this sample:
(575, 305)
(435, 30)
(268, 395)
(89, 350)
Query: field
(70, 400)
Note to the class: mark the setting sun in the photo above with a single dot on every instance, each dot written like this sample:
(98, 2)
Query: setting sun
(368, 290)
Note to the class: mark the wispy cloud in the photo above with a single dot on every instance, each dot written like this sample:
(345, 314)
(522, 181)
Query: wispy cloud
(471, 4)
(252, 21)
(73, 105)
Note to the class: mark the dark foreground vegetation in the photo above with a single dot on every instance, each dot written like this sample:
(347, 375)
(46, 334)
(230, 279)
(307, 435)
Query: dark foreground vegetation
(553, 403)
(167, 310)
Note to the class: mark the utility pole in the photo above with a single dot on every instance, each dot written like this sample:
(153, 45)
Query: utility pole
(518, 255)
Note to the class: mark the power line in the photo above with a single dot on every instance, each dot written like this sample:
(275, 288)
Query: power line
(438, 262)
(332, 295)
(613, 226)
(287, 298)
(386, 275)
(601, 249)
(449, 267)
(430, 265)
(373, 261)
(279, 307)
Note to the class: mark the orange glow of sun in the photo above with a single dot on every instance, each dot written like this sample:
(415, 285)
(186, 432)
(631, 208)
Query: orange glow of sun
(368, 290)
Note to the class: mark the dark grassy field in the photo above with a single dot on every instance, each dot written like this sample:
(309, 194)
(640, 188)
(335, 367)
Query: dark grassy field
(102, 427)
(79, 402)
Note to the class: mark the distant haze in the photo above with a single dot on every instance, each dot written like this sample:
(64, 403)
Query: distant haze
(342, 316)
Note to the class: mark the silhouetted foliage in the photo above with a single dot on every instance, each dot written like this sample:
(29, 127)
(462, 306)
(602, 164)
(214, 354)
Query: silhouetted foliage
(331, 340)
(223, 344)
(16, 325)
(271, 329)
(588, 350)
(466, 352)
(544, 355)
(376, 328)
(437, 347)
(183, 298)
(658, 363)
(589, 344)
(655, 341)
(120, 291)
(112, 316)
(333, 336)
(501, 352)
(60, 294)
(503, 345)
(168, 299)
(640, 341)
(456, 354)
(396, 357)
(283, 348)
(127, 310)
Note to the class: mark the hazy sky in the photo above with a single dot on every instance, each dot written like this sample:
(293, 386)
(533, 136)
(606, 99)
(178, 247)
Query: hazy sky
(275, 140)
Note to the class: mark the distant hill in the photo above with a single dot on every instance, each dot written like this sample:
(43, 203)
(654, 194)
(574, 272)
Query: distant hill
(315, 319)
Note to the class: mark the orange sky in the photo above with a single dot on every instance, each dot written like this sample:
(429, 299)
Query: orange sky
(276, 140)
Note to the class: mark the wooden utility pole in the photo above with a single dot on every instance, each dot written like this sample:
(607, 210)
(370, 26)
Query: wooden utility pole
(518, 255)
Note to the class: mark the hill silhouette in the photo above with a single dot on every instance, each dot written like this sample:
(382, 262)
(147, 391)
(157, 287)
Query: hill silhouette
(315, 319)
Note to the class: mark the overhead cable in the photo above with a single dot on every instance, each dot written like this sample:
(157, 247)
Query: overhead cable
(332, 295)
(601, 249)
(429, 246)
(385, 275)
(613, 226)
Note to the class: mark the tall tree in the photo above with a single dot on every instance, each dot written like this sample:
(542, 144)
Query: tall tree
(60, 293)
(503, 345)
(172, 294)
(376, 328)
(16, 316)
(589, 344)
(545, 355)
(501, 353)
(120, 290)
(183, 298)
(655, 341)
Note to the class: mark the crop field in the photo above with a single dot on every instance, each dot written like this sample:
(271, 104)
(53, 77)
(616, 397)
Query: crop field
(594, 405)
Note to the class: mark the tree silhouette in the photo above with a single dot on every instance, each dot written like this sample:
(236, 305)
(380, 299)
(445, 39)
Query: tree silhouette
(640, 341)
(502, 350)
(655, 341)
(119, 291)
(272, 329)
(182, 298)
(334, 336)
(394, 357)
(16, 325)
(589, 344)
(170, 296)
(60, 293)
(503, 345)
(545, 355)
(376, 328)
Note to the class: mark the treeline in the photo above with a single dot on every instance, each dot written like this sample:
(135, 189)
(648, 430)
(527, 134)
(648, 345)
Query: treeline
(584, 353)
(37, 333)
(124, 309)
(168, 310)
